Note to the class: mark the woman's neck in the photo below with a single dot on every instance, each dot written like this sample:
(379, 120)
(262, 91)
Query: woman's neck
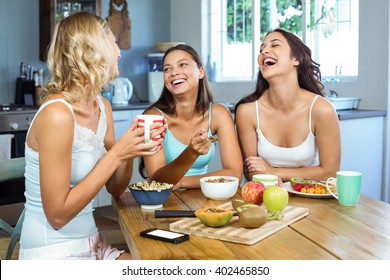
(282, 94)
(186, 107)
(86, 105)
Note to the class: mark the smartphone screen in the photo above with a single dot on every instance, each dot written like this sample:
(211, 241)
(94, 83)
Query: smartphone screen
(164, 235)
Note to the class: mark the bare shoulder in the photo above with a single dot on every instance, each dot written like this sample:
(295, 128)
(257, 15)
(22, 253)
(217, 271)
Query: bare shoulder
(323, 108)
(57, 112)
(246, 109)
(53, 117)
(220, 109)
(220, 115)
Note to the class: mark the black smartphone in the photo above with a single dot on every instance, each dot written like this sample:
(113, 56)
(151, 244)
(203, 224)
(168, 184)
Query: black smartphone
(165, 235)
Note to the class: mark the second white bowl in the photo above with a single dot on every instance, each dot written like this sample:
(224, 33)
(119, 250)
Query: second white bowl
(219, 187)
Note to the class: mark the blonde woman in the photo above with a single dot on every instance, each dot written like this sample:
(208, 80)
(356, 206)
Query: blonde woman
(71, 151)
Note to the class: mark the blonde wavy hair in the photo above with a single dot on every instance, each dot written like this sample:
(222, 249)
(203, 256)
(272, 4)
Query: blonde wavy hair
(79, 57)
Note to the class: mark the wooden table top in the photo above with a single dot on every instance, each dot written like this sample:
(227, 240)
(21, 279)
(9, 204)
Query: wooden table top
(330, 231)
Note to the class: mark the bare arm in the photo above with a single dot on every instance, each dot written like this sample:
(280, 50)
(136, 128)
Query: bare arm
(246, 130)
(223, 125)
(120, 179)
(173, 172)
(53, 134)
(231, 159)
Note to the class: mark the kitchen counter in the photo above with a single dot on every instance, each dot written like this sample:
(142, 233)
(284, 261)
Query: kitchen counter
(358, 114)
(343, 114)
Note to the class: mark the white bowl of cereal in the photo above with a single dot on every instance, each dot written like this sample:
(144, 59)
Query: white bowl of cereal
(151, 195)
(219, 187)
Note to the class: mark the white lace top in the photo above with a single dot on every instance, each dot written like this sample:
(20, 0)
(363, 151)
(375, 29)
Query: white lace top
(88, 148)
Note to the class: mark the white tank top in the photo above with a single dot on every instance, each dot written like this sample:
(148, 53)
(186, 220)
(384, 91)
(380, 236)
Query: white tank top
(305, 154)
(87, 149)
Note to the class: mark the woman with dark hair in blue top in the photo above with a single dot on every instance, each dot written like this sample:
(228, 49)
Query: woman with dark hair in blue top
(187, 105)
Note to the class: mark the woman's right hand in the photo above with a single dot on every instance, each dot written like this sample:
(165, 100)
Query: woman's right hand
(200, 144)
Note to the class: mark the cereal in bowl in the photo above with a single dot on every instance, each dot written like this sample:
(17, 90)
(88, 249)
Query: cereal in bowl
(150, 186)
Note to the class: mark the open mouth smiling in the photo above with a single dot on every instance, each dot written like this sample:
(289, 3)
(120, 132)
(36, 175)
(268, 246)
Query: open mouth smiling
(269, 61)
(177, 82)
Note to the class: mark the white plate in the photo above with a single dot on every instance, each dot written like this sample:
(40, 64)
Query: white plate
(288, 187)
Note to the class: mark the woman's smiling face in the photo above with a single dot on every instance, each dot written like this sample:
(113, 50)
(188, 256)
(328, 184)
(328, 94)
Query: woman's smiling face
(275, 55)
(181, 72)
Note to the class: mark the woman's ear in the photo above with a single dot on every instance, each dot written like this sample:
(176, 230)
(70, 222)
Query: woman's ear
(201, 72)
(296, 61)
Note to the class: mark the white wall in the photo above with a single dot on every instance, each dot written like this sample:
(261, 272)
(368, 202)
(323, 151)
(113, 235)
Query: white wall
(386, 169)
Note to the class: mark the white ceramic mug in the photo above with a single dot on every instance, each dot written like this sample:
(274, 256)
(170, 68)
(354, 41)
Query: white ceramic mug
(146, 121)
(266, 179)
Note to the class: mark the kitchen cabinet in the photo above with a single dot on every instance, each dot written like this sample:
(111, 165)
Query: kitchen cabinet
(122, 121)
(362, 150)
(52, 10)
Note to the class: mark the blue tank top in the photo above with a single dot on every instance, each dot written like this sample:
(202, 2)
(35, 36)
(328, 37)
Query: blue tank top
(173, 148)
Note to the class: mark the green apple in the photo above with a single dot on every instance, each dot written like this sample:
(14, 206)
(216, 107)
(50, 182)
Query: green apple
(275, 200)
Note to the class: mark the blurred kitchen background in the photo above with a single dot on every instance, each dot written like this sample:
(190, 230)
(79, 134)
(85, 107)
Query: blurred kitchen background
(183, 21)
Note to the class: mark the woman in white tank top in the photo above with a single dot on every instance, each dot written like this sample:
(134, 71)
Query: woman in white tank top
(71, 151)
(285, 126)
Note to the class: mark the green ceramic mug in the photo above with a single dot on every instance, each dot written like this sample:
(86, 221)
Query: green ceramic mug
(266, 179)
(348, 187)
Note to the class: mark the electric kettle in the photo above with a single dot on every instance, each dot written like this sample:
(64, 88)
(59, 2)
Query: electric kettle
(122, 90)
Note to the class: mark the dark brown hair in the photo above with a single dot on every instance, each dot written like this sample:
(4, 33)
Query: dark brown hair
(309, 75)
(166, 102)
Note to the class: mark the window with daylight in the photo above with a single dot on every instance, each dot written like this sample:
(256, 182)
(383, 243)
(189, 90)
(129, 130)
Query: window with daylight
(328, 27)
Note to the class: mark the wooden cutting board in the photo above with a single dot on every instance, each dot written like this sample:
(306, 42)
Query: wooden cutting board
(233, 232)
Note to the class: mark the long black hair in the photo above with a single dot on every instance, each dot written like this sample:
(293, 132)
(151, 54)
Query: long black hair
(167, 103)
(309, 75)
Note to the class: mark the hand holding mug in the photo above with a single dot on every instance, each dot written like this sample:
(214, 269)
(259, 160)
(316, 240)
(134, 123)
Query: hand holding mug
(150, 123)
(132, 143)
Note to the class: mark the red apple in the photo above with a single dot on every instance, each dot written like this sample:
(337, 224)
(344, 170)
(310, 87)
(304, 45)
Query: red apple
(252, 192)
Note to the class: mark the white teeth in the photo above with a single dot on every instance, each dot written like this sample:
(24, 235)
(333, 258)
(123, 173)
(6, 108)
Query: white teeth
(269, 61)
(175, 82)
